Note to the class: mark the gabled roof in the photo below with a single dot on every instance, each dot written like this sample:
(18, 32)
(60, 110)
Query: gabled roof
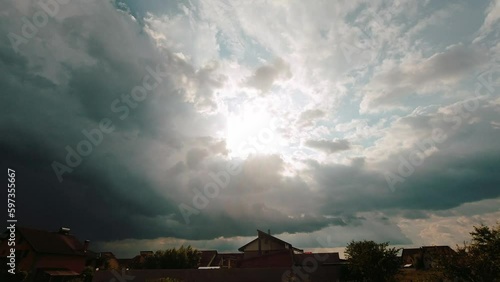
(52, 242)
(264, 235)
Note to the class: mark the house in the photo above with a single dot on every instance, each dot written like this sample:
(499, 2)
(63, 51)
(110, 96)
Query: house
(425, 257)
(139, 259)
(211, 259)
(207, 259)
(267, 251)
(263, 252)
(228, 260)
(432, 253)
(412, 258)
(265, 244)
(265, 258)
(107, 260)
(48, 255)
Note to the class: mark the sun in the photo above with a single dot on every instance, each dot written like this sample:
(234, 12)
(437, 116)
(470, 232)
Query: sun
(251, 131)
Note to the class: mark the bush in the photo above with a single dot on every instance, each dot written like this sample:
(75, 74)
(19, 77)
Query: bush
(370, 261)
(182, 258)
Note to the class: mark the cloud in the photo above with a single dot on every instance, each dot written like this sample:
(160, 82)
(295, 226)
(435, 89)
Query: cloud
(490, 21)
(265, 76)
(195, 156)
(308, 117)
(165, 150)
(329, 147)
(394, 81)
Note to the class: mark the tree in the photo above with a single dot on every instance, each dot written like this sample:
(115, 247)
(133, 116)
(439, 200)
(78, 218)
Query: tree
(371, 261)
(184, 257)
(478, 260)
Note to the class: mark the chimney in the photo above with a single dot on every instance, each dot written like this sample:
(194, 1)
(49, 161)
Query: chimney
(269, 231)
(86, 245)
(64, 230)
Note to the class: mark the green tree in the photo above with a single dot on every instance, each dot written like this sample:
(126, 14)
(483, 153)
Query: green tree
(370, 261)
(477, 261)
(184, 257)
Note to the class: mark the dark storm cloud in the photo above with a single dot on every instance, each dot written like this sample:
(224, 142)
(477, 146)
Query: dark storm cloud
(388, 87)
(48, 101)
(132, 182)
(67, 79)
(461, 170)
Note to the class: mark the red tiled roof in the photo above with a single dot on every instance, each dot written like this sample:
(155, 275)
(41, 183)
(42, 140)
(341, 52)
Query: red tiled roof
(52, 242)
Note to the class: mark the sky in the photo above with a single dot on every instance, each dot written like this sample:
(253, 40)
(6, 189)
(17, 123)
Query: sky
(145, 125)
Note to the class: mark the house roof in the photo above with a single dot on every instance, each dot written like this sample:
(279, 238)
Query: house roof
(438, 248)
(411, 252)
(426, 249)
(262, 234)
(52, 242)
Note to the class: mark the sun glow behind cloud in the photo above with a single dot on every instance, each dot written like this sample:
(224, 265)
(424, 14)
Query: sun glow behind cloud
(252, 130)
(324, 114)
